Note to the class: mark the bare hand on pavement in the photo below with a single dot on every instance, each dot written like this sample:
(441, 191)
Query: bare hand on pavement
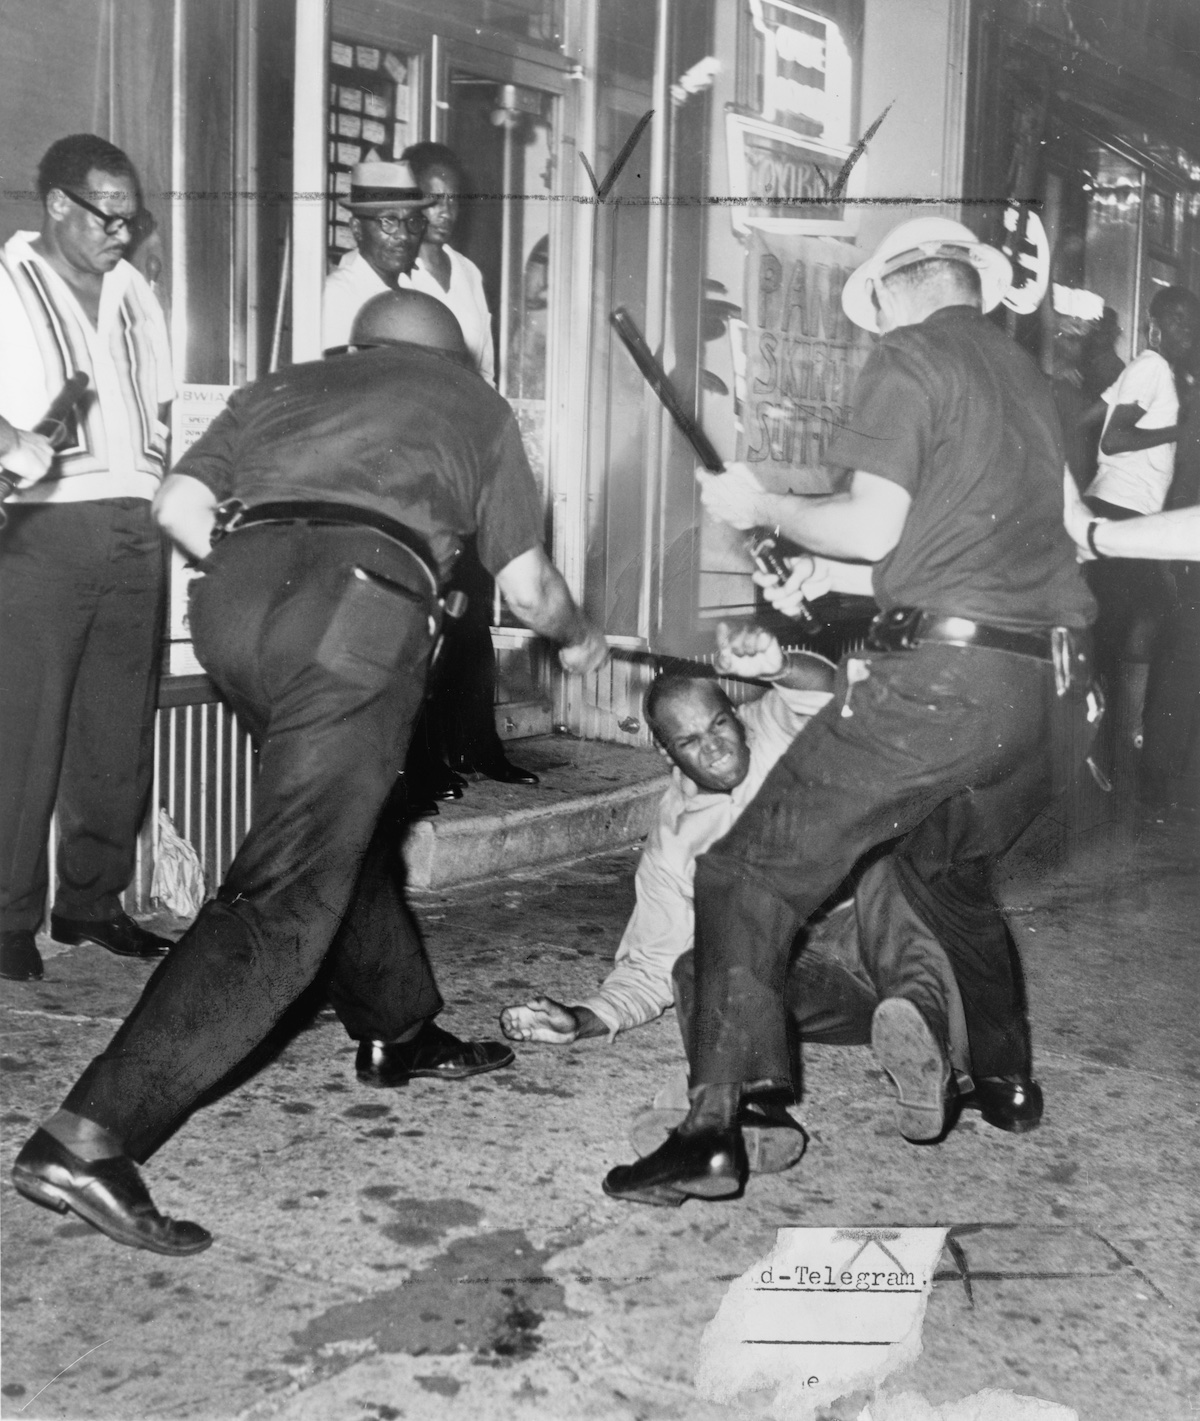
(540, 1019)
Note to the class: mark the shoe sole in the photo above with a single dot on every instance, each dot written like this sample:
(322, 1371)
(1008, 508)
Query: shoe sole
(657, 1198)
(116, 951)
(460, 1073)
(49, 1196)
(908, 1051)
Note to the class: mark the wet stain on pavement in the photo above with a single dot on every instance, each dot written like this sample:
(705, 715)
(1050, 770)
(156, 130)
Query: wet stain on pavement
(367, 1112)
(444, 1386)
(424, 1221)
(486, 1294)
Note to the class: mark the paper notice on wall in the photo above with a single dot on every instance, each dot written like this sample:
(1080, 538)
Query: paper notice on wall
(194, 409)
(828, 1313)
(802, 355)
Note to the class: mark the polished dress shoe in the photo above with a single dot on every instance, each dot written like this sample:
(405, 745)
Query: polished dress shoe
(108, 1193)
(905, 1046)
(496, 767)
(443, 783)
(20, 961)
(710, 1164)
(120, 935)
(433, 1054)
(1013, 1103)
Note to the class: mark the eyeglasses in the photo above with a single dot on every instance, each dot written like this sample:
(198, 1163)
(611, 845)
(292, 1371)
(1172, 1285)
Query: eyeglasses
(110, 221)
(389, 224)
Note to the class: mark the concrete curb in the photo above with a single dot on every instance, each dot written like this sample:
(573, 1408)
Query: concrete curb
(445, 853)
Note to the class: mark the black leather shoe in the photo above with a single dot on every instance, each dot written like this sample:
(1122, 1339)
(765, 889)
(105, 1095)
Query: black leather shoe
(1013, 1103)
(905, 1046)
(444, 783)
(433, 1054)
(120, 935)
(20, 961)
(499, 768)
(710, 1164)
(108, 1193)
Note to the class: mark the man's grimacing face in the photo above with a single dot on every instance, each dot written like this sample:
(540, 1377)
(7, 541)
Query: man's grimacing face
(699, 731)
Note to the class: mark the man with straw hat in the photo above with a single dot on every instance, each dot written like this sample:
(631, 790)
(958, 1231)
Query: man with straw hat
(388, 223)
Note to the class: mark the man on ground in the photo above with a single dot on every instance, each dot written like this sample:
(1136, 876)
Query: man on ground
(848, 959)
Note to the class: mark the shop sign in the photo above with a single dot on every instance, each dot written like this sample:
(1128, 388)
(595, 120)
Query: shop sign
(781, 181)
(802, 356)
(804, 70)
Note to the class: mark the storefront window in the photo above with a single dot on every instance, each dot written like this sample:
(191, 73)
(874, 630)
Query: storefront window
(372, 114)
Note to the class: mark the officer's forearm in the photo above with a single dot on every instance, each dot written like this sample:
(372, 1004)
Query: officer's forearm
(535, 591)
(185, 509)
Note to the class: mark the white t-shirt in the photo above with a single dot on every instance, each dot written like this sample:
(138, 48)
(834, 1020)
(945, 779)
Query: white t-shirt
(466, 299)
(1140, 478)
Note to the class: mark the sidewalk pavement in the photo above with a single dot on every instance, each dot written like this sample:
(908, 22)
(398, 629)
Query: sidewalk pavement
(445, 1251)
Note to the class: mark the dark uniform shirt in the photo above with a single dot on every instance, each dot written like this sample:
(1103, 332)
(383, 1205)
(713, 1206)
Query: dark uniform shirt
(960, 417)
(400, 430)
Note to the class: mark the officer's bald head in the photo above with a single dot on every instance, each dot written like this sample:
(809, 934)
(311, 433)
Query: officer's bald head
(411, 318)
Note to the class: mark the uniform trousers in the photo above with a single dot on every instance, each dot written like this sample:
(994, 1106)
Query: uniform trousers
(319, 638)
(81, 607)
(968, 736)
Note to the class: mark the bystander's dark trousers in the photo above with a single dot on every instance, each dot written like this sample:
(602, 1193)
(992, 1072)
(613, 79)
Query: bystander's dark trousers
(81, 605)
(319, 638)
(970, 736)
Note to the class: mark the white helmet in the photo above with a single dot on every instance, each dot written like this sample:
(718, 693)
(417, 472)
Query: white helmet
(919, 240)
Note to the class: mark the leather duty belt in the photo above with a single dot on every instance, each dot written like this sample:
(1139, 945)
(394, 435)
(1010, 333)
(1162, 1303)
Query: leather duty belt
(233, 515)
(904, 628)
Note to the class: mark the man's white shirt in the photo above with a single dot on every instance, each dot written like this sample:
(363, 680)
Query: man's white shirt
(1140, 478)
(689, 821)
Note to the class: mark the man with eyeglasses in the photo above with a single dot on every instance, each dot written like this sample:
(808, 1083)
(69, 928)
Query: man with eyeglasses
(388, 223)
(81, 560)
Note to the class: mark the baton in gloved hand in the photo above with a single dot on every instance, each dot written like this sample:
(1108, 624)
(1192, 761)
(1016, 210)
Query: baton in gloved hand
(51, 426)
(761, 543)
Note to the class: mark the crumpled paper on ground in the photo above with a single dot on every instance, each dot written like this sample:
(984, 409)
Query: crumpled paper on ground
(178, 879)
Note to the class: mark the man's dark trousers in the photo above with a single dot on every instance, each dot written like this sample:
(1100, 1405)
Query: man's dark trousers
(323, 657)
(973, 730)
(81, 608)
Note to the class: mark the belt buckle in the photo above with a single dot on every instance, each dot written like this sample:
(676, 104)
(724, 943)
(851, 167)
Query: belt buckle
(903, 624)
(229, 516)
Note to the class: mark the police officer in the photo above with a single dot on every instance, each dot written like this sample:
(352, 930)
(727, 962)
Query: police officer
(352, 483)
(943, 730)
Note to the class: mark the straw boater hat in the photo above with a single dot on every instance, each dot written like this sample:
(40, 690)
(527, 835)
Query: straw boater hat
(376, 186)
(916, 241)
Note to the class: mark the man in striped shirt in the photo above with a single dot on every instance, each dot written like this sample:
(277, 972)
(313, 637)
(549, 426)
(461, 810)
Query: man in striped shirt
(81, 560)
